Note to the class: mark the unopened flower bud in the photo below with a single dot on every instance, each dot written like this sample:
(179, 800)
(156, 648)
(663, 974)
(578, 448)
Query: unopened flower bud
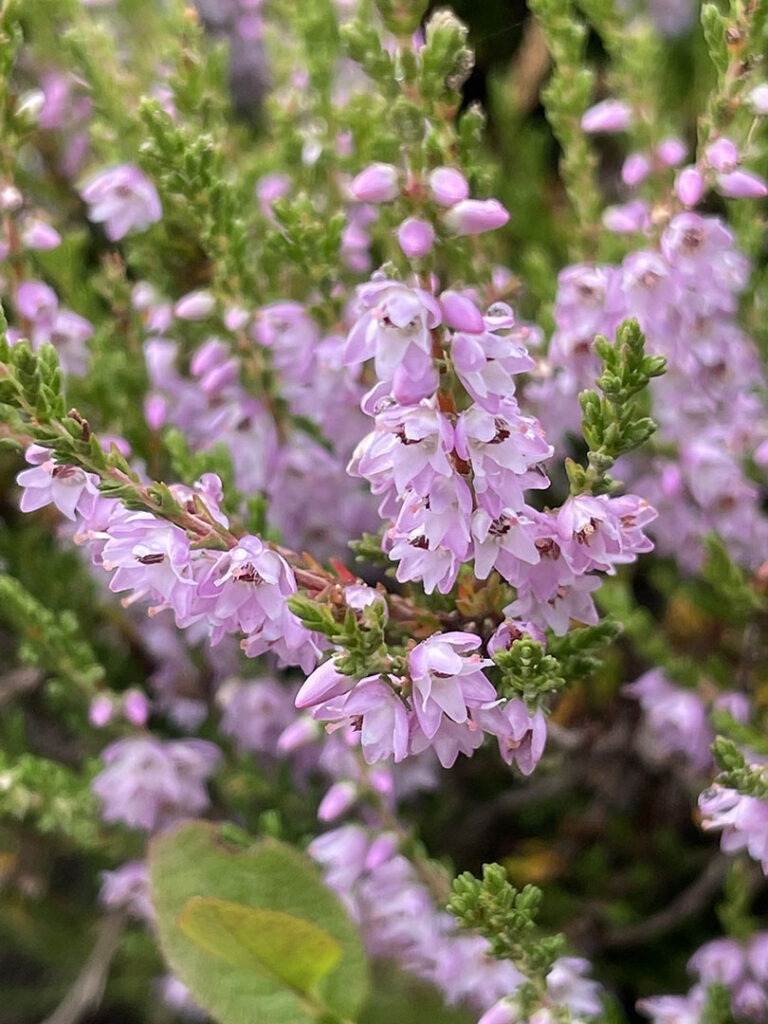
(381, 850)
(447, 186)
(236, 318)
(378, 183)
(213, 353)
(608, 116)
(461, 313)
(220, 377)
(195, 306)
(337, 800)
(39, 235)
(671, 151)
(723, 155)
(627, 217)
(155, 411)
(473, 216)
(415, 237)
(741, 185)
(689, 186)
(304, 730)
(503, 1012)
(635, 169)
(100, 711)
(136, 707)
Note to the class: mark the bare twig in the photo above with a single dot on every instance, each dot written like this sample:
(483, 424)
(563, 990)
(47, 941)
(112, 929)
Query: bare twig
(685, 905)
(87, 991)
(17, 682)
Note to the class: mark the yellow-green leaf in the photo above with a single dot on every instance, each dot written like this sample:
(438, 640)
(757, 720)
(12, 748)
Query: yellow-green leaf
(291, 949)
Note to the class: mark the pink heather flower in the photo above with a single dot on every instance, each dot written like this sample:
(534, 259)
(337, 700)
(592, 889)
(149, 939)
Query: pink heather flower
(690, 186)
(155, 411)
(571, 601)
(607, 116)
(447, 678)
(413, 443)
(509, 631)
(377, 712)
(149, 782)
(395, 329)
(502, 450)
(521, 736)
(743, 819)
(722, 155)
(337, 800)
(151, 558)
(450, 740)
(123, 199)
(69, 488)
(270, 188)
(378, 183)
(674, 1009)
(749, 1001)
(671, 151)
(36, 234)
(720, 960)
(757, 956)
(136, 707)
(447, 186)
(195, 306)
(323, 684)
(247, 587)
(568, 986)
(502, 542)
(415, 237)
(635, 168)
(127, 888)
(628, 217)
(65, 330)
(742, 185)
(100, 711)
(486, 364)
(504, 1012)
(473, 216)
(430, 538)
(676, 719)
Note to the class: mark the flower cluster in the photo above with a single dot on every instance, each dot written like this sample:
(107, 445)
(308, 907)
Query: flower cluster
(685, 296)
(741, 967)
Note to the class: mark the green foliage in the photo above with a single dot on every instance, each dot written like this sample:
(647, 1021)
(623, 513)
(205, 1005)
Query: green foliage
(732, 594)
(527, 672)
(577, 651)
(192, 861)
(612, 424)
(717, 1009)
(736, 772)
(506, 917)
(50, 640)
(49, 797)
(566, 98)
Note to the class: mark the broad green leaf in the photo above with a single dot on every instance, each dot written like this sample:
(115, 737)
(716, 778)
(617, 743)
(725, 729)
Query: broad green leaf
(195, 861)
(293, 950)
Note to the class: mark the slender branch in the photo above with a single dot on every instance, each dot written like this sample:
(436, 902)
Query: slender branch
(685, 905)
(86, 993)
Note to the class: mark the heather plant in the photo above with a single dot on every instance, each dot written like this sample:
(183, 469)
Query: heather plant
(384, 580)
